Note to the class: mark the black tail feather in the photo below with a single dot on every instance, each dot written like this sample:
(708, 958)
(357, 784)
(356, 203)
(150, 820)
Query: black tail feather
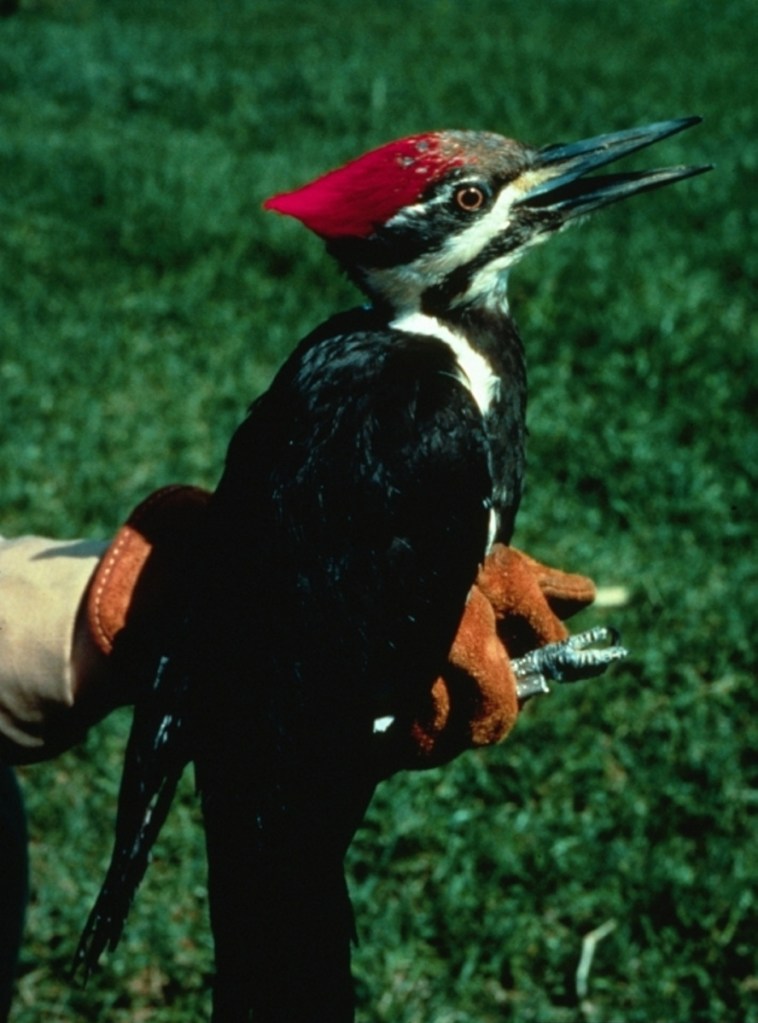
(129, 862)
(156, 755)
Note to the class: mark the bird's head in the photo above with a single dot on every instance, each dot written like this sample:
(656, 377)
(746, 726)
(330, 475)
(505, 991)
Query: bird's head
(435, 221)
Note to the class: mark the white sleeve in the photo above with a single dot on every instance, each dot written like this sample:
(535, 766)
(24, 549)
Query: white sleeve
(41, 587)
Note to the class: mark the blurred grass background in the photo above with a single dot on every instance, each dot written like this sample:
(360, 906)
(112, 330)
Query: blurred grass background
(145, 299)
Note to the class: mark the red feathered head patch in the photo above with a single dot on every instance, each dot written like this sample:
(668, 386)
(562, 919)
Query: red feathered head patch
(354, 200)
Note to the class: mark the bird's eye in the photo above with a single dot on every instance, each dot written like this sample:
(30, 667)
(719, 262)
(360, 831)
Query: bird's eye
(470, 198)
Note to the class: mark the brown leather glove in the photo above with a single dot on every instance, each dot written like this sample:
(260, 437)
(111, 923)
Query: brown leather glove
(144, 565)
(516, 605)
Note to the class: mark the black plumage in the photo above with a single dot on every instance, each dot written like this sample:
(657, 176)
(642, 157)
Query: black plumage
(363, 463)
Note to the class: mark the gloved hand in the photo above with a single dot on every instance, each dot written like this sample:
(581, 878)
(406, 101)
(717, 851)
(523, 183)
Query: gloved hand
(516, 605)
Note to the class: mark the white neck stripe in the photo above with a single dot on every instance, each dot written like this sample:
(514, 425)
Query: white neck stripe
(474, 371)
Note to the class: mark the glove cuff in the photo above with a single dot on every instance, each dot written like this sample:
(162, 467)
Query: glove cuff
(139, 569)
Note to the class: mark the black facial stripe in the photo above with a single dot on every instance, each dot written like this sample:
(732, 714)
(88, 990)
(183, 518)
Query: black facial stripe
(413, 232)
(439, 296)
(399, 245)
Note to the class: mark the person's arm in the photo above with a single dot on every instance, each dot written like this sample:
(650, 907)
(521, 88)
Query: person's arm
(43, 673)
(63, 605)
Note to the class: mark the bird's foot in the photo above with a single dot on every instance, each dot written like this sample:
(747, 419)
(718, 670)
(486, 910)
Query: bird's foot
(571, 659)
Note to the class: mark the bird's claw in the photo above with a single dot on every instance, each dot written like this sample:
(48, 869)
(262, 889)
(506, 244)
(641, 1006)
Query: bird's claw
(567, 661)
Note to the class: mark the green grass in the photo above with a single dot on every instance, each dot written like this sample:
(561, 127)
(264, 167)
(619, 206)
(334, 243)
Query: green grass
(145, 299)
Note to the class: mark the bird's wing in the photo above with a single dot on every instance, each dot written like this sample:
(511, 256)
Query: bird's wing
(354, 507)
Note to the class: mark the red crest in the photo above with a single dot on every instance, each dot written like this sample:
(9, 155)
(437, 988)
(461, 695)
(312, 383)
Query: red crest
(354, 200)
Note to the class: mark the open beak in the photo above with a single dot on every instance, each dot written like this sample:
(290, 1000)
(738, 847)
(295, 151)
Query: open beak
(557, 181)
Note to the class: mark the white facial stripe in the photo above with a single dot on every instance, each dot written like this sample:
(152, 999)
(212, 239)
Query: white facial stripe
(403, 285)
(420, 209)
(466, 245)
(490, 284)
(469, 242)
(475, 372)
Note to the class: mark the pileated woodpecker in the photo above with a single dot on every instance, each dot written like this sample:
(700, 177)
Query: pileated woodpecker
(359, 497)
